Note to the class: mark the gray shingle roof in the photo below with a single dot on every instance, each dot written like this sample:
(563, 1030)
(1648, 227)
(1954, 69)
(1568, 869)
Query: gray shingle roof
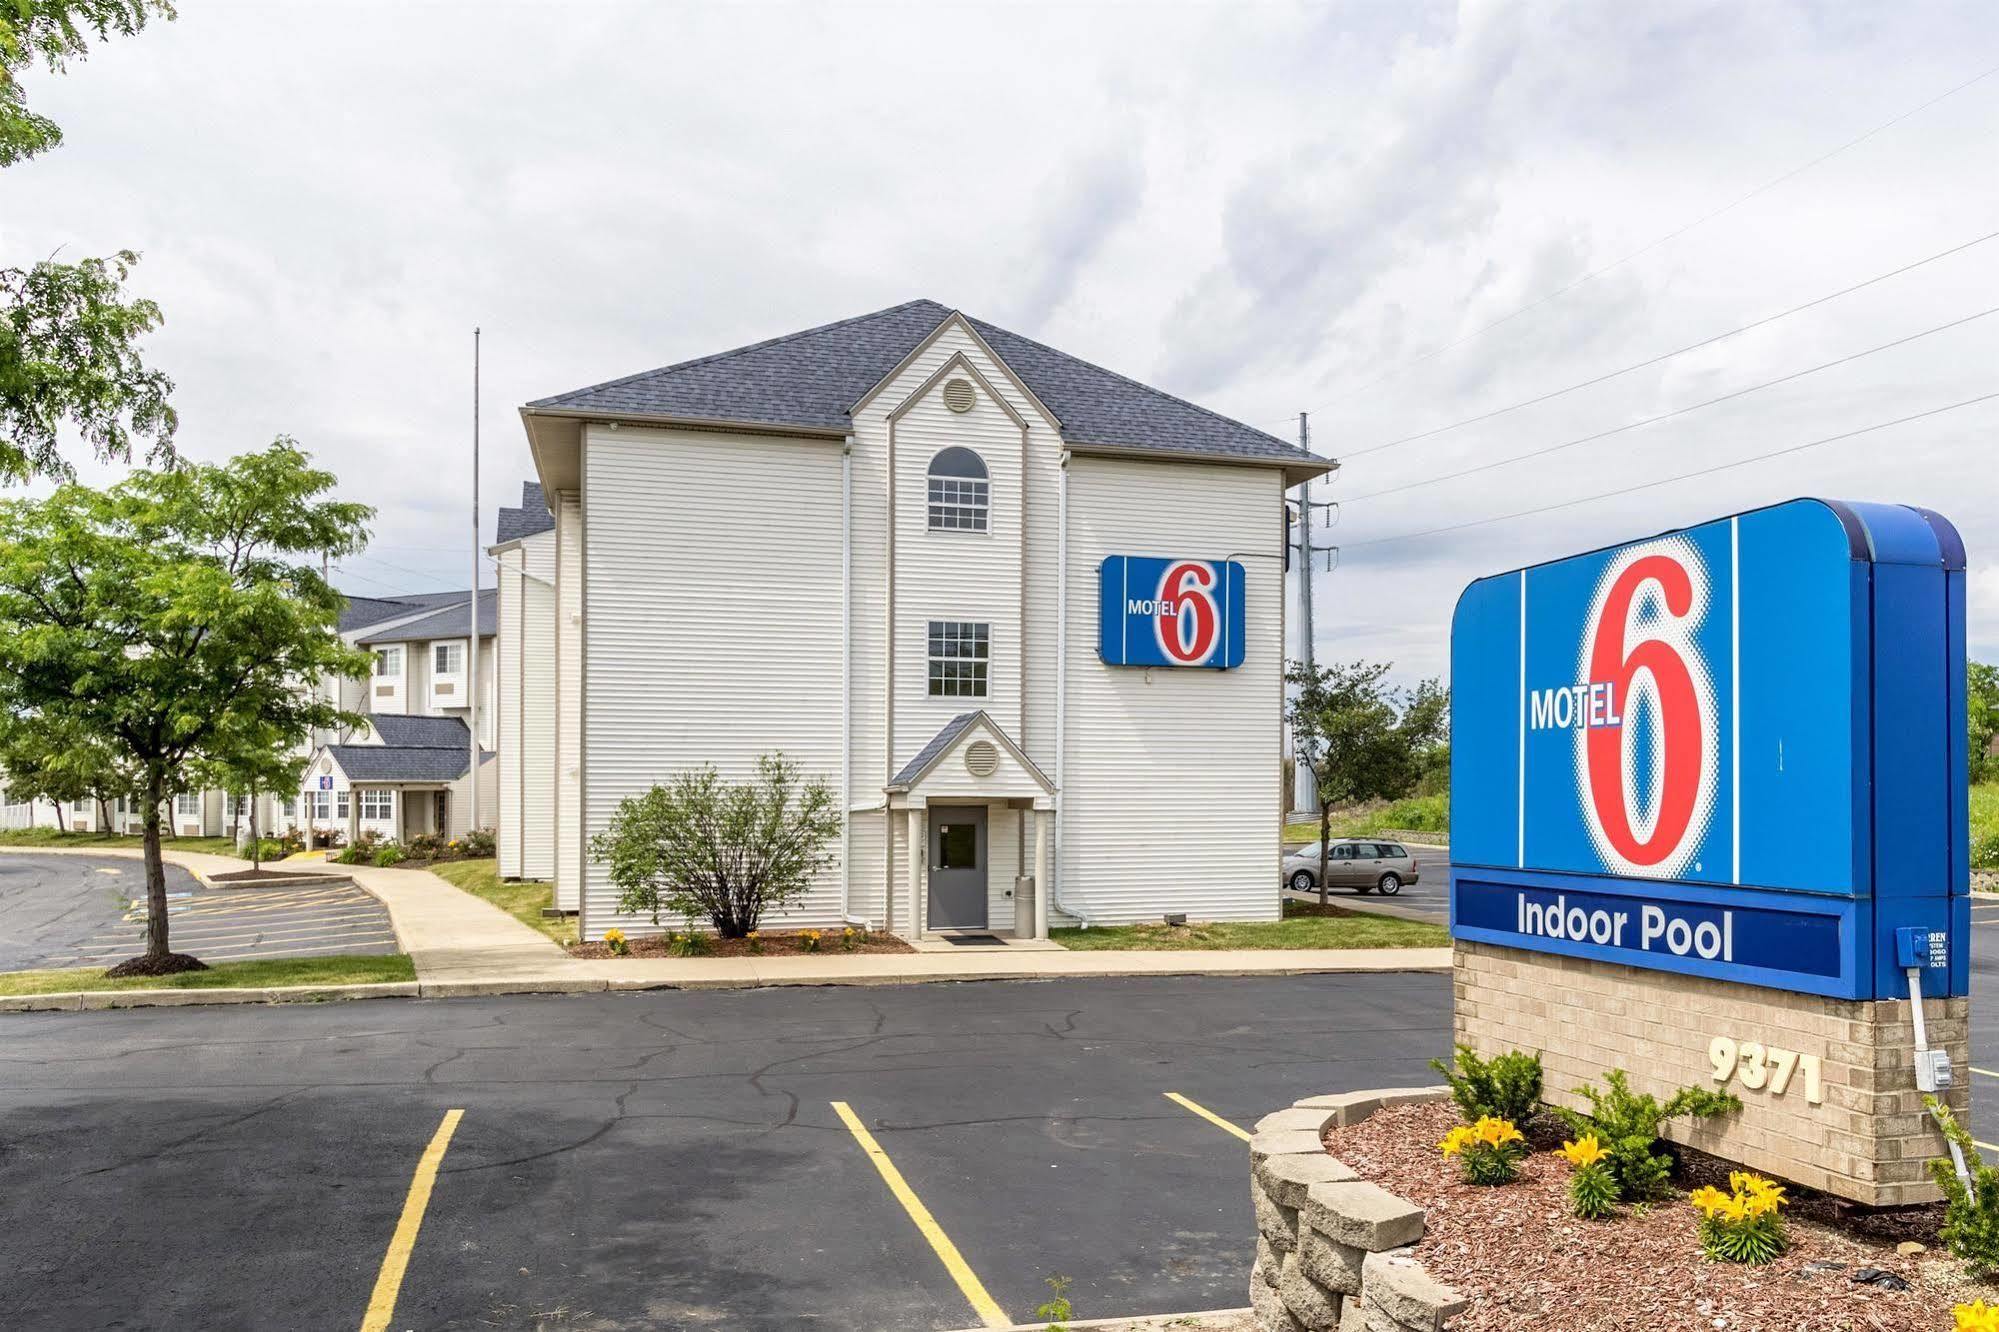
(435, 732)
(811, 378)
(532, 517)
(931, 752)
(448, 622)
(399, 763)
(360, 612)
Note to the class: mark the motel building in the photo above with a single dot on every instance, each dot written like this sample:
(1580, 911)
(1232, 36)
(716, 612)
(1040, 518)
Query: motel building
(1024, 615)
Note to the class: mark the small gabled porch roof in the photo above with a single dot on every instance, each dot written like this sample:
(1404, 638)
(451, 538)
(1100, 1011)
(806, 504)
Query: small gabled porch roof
(998, 771)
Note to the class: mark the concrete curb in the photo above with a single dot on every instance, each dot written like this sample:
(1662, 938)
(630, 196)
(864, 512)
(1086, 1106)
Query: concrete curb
(85, 1001)
(1199, 1320)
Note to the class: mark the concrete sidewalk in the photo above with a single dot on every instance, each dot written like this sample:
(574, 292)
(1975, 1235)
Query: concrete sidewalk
(463, 945)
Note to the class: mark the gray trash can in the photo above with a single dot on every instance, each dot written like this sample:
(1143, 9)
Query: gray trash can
(1023, 907)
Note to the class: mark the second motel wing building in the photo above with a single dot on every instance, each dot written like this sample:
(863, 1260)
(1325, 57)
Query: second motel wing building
(879, 546)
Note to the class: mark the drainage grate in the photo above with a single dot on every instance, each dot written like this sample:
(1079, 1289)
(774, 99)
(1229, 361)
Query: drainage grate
(976, 940)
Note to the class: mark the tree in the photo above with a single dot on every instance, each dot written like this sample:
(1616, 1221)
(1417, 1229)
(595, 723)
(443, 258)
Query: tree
(69, 333)
(256, 760)
(53, 760)
(180, 618)
(1362, 739)
(702, 847)
(1982, 714)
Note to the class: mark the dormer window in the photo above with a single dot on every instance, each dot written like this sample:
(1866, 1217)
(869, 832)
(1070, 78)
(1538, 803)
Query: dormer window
(960, 491)
(448, 658)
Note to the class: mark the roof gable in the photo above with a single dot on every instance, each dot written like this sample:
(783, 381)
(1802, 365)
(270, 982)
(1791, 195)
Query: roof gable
(928, 773)
(813, 379)
(532, 517)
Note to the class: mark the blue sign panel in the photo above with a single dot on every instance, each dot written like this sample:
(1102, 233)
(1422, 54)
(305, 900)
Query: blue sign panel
(1177, 612)
(1765, 711)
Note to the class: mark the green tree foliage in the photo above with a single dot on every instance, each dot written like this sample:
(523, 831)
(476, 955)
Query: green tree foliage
(1971, 1216)
(61, 762)
(178, 619)
(699, 846)
(1627, 1124)
(1981, 697)
(1507, 1086)
(256, 758)
(1361, 738)
(69, 332)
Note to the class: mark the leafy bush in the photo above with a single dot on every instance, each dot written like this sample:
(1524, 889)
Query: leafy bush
(614, 939)
(478, 844)
(1057, 1309)
(1971, 1217)
(1593, 1189)
(1507, 1086)
(1488, 1152)
(389, 853)
(269, 848)
(291, 842)
(1985, 851)
(425, 846)
(687, 943)
(1742, 1225)
(361, 851)
(808, 941)
(1627, 1124)
(699, 846)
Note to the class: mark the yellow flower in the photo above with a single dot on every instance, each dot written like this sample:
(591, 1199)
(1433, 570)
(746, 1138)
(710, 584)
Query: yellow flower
(1457, 1140)
(1496, 1132)
(1978, 1317)
(1587, 1151)
(1706, 1199)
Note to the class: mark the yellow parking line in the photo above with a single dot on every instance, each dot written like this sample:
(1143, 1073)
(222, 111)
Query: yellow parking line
(1206, 1114)
(983, 1304)
(389, 1284)
(1984, 1072)
(1985, 1146)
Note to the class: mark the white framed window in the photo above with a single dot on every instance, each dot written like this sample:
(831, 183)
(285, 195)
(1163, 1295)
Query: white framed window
(187, 804)
(960, 651)
(447, 658)
(960, 491)
(285, 806)
(378, 804)
(388, 661)
(339, 804)
(320, 803)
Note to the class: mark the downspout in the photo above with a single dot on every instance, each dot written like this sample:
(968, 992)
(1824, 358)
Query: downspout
(847, 917)
(888, 683)
(1062, 687)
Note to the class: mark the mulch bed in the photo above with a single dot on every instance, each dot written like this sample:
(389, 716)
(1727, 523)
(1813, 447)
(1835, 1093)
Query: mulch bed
(252, 875)
(1527, 1262)
(771, 944)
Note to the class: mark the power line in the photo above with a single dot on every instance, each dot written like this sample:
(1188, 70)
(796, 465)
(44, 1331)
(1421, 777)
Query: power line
(354, 573)
(1649, 246)
(390, 564)
(1667, 416)
(1669, 480)
(1667, 356)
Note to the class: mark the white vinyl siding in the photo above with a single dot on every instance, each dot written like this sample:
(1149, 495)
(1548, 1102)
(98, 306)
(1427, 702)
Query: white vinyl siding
(569, 637)
(507, 844)
(706, 640)
(1170, 793)
(526, 691)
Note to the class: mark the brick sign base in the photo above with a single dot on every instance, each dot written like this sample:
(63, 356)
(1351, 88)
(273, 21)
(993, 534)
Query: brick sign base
(1867, 1139)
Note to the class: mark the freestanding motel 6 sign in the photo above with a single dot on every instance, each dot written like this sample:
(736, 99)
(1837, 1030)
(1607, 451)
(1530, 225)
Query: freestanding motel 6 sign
(1734, 753)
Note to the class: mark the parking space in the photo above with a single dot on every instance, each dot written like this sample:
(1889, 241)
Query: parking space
(88, 912)
(672, 1159)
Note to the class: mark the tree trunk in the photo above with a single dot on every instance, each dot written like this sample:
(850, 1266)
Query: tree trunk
(156, 872)
(255, 841)
(56, 805)
(103, 813)
(1325, 849)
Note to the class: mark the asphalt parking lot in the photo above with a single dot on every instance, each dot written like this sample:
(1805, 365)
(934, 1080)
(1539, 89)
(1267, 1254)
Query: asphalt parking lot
(669, 1159)
(89, 911)
(1428, 898)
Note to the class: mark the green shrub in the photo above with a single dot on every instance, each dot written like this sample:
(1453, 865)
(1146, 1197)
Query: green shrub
(389, 854)
(1970, 1218)
(425, 846)
(1627, 1124)
(477, 844)
(1985, 851)
(1593, 1191)
(269, 848)
(351, 855)
(1507, 1086)
(688, 943)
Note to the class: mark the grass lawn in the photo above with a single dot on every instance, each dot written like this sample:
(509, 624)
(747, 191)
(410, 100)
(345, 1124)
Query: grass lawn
(523, 900)
(222, 975)
(1305, 925)
(220, 846)
(1416, 814)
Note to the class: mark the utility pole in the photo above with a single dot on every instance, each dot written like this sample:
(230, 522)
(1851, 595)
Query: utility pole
(472, 643)
(1304, 790)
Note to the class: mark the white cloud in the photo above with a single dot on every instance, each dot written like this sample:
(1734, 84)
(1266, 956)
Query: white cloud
(1267, 207)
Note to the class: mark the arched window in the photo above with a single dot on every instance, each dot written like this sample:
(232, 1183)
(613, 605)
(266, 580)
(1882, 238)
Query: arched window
(959, 491)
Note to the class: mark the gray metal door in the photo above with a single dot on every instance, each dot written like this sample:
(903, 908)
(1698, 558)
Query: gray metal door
(957, 867)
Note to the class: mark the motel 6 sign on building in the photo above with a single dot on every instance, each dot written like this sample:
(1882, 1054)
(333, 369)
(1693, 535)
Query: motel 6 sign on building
(1170, 612)
(1734, 751)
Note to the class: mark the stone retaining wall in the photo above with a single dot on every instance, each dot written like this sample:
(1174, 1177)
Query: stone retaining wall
(1334, 1252)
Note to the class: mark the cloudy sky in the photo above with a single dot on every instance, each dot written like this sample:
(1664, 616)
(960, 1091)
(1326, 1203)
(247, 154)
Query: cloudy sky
(1395, 216)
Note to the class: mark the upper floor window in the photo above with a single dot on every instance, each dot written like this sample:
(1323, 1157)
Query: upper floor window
(959, 654)
(447, 658)
(960, 491)
(389, 661)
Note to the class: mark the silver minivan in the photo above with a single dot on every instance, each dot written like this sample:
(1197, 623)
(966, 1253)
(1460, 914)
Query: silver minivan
(1361, 864)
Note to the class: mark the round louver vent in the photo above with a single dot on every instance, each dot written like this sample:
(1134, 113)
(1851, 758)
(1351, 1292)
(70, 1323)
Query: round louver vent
(981, 758)
(958, 395)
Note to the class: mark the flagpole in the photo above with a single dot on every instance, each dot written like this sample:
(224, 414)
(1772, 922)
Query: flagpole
(472, 642)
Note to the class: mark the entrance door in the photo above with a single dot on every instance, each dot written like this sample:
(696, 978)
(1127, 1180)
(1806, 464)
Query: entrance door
(957, 867)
